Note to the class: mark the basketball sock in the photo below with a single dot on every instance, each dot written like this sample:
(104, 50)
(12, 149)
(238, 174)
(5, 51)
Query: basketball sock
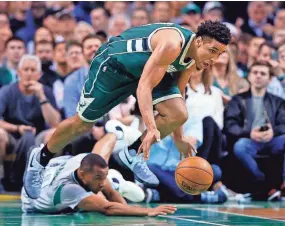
(136, 144)
(45, 156)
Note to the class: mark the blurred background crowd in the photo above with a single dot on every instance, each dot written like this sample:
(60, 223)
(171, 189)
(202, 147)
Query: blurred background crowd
(236, 108)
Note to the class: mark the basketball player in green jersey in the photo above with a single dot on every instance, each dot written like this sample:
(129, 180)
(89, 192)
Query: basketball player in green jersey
(154, 62)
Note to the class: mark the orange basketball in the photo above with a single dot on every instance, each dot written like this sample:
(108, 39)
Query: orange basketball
(194, 175)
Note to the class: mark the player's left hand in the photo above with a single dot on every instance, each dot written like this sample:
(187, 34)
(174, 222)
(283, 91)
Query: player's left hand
(185, 147)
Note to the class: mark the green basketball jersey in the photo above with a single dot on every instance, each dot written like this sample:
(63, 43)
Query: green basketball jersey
(132, 48)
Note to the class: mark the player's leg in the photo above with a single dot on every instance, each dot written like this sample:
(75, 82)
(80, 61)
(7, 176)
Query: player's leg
(103, 90)
(105, 146)
(172, 113)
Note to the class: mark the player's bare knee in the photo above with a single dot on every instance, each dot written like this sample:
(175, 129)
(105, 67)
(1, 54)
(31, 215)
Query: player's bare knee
(179, 116)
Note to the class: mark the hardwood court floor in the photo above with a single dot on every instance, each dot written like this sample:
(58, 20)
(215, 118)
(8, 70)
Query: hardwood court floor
(253, 214)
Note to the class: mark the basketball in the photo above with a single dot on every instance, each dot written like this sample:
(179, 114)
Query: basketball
(194, 175)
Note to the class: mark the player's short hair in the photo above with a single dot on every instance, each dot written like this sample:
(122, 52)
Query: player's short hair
(266, 64)
(215, 30)
(14, 38)
(90, 161)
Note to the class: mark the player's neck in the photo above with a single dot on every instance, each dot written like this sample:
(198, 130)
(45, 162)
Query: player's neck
(80, 181)
(192, 51)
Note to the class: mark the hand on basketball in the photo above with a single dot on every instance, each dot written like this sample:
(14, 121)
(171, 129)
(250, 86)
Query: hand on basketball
(186, 146)
(151, 137)
(162, 210)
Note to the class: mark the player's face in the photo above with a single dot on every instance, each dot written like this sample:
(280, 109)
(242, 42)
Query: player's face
(96, 180)
(208, 51)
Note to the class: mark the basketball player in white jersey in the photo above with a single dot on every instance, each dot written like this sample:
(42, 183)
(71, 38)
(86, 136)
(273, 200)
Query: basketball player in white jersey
(80, 184)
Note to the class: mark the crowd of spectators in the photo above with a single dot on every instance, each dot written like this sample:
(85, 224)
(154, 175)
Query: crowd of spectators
(236, 107)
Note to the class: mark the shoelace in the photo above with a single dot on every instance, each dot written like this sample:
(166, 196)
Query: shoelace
(144, 166)
(37, 179)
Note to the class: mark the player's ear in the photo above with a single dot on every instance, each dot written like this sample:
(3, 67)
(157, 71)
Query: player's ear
(199, 41)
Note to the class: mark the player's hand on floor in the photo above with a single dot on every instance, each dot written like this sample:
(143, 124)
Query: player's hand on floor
(151, 137)
(162, 210)
(185, 146)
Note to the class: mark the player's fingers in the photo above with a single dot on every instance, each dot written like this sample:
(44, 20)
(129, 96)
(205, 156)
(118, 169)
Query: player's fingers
(168, 211)
(140, 149)
(146, 152)
(157, 136)
(172, 208)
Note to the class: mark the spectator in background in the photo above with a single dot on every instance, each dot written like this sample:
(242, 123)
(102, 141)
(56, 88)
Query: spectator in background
(45, 51)
(242, 57)
(281, 59)
(140, 16)
(61, 67)
(177, 7)
(279, 21)
(18, 17)
(41, 34)
(4, 6)
(66, 25)
(191, 15)
(34, 20)
(74, 82)
(257, 21)
(82, 30)
(117, 7)
(255, 120)
(226, 78)
(253, 47)
(75, 60)
(100, 19)
(118, 24)
(4, 20)
(161, 12)
(5, 34)
(83, 8)
(278, 38)
(265, 53)
(26, 107)
(213, 11)
(14, 50)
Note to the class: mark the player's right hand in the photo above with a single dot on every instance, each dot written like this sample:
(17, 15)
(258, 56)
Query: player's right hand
(151, 137)
(162, 210)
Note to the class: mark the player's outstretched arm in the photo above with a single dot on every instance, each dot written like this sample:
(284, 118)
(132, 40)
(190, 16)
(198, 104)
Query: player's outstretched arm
(96, 203)
(167, 48)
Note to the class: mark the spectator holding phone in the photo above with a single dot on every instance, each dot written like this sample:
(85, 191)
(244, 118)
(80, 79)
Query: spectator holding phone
(256, 121)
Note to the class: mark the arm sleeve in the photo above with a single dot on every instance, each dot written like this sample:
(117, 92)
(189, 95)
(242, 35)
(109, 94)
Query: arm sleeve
(72, 194)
